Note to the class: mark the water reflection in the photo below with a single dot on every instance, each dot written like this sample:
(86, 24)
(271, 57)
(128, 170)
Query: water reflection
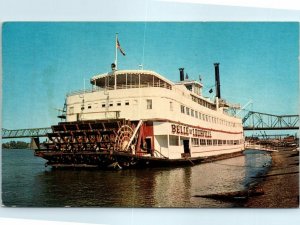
(257, 164)
(153, 187)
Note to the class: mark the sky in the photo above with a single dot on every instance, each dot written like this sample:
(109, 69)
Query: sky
(44, 61)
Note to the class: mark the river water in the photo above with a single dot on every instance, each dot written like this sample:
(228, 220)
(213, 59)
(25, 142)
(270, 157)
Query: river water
(27, 183)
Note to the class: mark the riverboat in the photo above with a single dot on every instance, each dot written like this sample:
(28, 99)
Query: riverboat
(139, 118)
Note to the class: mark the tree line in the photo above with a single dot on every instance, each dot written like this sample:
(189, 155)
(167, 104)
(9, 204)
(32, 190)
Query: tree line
(15, 145)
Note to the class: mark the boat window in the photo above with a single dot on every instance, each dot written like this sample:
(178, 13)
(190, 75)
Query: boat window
(215, 142)
(203, 142)
(187, 111)
(103, 105)
(111, 104)
(192, 112)
(171, 106)
(149, 103)
(196, 114)
(89, 106)
(209, 142)
(195, 142)
(126, 103)
(173, 140)
(220, 142)
(182, 108)
(119, 103)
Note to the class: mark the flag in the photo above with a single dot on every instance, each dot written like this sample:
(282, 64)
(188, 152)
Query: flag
(119, 47)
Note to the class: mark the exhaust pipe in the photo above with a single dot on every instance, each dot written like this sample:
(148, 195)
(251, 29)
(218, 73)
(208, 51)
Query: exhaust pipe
(217, 80)
(181, 71)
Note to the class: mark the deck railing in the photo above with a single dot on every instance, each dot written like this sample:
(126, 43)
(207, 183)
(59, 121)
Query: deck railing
(122, 86)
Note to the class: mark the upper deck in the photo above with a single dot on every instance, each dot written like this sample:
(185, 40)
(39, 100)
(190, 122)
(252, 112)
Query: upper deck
(128, 79)
(143, 94)
(125, 79)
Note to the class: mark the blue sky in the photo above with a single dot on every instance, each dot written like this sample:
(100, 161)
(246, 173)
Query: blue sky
(44, 61)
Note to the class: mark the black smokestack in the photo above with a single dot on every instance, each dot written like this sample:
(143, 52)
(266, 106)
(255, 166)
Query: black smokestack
(217, 78)
(181, 70)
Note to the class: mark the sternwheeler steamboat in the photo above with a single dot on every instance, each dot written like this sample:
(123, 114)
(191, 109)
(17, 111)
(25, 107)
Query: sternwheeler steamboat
(138, 118)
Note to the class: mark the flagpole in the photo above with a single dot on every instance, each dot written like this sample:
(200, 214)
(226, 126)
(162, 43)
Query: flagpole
(116, 61)
(116, 58)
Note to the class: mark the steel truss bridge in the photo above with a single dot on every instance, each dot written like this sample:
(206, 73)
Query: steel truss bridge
(264, 121)
(26, 133)
(251, 121)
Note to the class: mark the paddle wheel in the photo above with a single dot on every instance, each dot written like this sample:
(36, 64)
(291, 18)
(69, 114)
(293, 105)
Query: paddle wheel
(96, 143)
(123, 138)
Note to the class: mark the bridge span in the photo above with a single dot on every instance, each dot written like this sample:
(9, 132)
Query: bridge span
(264, 121)
(251, 121)
(26, 133)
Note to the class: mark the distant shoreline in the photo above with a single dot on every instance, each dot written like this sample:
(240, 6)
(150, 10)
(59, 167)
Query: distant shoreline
(16, 145)
(280, 184)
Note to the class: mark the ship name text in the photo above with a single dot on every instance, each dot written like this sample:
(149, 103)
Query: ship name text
(189, 131)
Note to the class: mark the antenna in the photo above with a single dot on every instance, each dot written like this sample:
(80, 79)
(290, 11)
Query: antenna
(200, 78)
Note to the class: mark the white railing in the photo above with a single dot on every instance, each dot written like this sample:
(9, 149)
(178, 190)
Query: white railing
(122, 86)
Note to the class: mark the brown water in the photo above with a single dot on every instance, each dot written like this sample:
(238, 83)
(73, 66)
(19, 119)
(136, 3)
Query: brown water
(26, 182)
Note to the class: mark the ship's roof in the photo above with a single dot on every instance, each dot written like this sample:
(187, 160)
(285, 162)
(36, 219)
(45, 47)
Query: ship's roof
(132, 72)
(185, 82)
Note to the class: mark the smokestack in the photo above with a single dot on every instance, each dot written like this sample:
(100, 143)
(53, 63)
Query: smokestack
(217, 78)
(181, 70)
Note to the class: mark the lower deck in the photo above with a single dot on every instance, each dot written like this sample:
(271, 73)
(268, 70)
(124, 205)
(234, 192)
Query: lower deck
(101, 143)
(119, 160)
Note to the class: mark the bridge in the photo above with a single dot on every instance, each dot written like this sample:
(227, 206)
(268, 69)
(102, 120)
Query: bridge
(264, 121)
(26, 133)
(251, 121)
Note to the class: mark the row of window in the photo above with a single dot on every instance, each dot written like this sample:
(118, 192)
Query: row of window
(104, 105)
(202, 116)
(207, 142)
(203, 102)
